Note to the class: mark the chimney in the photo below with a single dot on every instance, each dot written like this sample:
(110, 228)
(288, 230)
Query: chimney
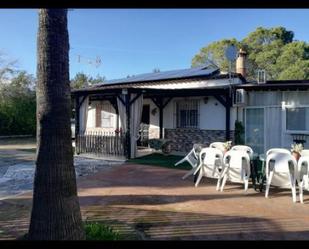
(241, 63)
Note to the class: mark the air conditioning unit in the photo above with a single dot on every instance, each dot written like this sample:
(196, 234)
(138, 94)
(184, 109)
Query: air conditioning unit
(240, 97)
(261, 77)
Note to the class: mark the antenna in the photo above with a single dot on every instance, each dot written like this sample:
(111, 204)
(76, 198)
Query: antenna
(90, 61)
(230, 54)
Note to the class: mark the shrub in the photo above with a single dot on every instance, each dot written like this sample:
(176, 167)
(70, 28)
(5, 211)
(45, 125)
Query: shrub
(99, 231)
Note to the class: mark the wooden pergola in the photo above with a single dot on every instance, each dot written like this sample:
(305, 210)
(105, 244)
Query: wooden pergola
(160, 97)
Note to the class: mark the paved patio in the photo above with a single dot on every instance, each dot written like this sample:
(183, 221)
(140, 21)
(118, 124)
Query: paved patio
(154, 203)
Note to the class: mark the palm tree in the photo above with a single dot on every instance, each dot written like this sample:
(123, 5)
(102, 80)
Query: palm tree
(55, 211)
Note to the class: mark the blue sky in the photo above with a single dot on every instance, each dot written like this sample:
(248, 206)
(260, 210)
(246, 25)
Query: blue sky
(133, 41)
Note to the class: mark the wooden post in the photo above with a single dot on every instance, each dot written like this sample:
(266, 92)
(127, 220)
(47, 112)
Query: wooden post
(161, 117)
(128, 137)
(76, 123)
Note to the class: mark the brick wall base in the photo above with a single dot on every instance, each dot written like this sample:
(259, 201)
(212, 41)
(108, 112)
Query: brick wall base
(183, 139)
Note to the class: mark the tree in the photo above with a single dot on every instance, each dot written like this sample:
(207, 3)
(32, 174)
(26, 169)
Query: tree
(18, 105)
(273, 50)
(55, 211)
(82, 80)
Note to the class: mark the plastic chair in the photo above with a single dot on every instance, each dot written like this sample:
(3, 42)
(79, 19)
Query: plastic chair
(218, 145)
(282, 163)
(303, 175)
(243, 148)
(238, 162)
(304, 153)
(280, 150)
(192, 159)
(210, 162)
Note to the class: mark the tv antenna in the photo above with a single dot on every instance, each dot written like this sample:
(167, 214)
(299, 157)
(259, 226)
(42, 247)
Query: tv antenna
(90, 61)
(230, 54)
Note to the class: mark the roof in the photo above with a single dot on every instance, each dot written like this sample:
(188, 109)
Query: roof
(203, 70)
(184, 78)
(277, 85)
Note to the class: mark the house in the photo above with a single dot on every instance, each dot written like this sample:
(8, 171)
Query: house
(196, 105)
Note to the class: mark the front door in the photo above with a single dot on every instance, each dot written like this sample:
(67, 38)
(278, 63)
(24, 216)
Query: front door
(144, 129)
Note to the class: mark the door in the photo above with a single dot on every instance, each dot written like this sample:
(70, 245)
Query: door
(254, 129)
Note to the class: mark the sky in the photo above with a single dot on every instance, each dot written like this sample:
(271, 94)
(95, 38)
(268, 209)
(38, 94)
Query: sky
(134, 41)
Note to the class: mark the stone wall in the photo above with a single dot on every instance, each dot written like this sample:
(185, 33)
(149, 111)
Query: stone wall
(183, 139)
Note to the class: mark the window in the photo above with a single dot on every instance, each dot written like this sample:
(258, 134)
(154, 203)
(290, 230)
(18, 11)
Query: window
(187, 114)
(107, 116)
(104, 116)
(254, 129)
(297, 119)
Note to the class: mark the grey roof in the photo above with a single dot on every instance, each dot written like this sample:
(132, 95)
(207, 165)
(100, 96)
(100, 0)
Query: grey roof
(203, 70)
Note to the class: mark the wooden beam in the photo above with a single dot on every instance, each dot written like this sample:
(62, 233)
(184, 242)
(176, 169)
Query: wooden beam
(221, 100)
(165, 104)
(135, 98)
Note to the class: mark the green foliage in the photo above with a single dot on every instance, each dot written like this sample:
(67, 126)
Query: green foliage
(82, 80)
(215, 53)
(271, 49)
(18, 105)
(239, 133)
(99, 231)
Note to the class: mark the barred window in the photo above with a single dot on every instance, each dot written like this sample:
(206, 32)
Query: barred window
(187, 114)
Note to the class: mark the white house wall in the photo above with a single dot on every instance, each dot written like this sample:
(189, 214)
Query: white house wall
(212, 114)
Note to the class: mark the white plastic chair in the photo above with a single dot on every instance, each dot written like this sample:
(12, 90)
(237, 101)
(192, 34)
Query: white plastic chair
(282, 163)
(238, 162)
(243, 148)
(192, 159)
(210, 162)
(303, 175)
(218, 145)
(280, 150)
(304, 153)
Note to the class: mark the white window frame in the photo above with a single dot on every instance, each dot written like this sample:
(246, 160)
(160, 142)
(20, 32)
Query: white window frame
(264, 123)
(284, 116)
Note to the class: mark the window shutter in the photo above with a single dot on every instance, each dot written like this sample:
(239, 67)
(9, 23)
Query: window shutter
(98, 110)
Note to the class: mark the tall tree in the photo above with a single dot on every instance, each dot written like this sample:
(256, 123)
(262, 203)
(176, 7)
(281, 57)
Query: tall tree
(271, 49)
(82, 80)
(55, 211)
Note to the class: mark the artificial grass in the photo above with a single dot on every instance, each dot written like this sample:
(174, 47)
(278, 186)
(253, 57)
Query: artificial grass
(161, 160)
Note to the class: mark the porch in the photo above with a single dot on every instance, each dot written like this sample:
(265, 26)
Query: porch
(129, 108)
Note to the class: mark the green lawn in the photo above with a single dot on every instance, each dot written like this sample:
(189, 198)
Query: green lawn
(161, 160)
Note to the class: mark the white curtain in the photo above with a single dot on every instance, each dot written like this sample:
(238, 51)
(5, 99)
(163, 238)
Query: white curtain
(83, 115)
(135, 121)
(122, 113)
(264, 98)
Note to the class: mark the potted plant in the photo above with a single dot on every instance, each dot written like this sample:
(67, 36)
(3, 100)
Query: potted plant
(227, 145)
(296, 149)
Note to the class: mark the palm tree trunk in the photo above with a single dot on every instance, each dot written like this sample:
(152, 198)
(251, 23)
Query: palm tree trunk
(55, 211)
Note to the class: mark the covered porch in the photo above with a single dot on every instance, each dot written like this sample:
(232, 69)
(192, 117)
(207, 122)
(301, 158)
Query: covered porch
(127, 102)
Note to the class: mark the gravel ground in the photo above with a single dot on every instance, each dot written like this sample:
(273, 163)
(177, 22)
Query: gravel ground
(17, 177)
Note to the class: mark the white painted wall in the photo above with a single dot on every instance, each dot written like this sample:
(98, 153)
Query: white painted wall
(212, 114)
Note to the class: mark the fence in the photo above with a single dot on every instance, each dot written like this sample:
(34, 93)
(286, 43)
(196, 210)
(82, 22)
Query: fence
(102, 144)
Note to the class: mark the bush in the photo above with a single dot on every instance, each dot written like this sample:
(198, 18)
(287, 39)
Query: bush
(239, 133)
(99, 231)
